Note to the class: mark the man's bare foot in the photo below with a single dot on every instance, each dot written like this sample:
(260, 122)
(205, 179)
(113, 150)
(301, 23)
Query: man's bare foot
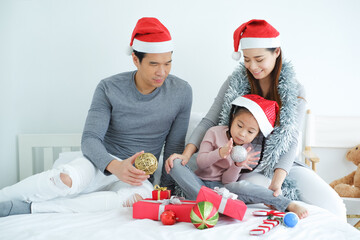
(298, 210)
(131, 200)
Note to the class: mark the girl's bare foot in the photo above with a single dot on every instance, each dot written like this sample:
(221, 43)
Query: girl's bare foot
(298, 210)
(132, 199)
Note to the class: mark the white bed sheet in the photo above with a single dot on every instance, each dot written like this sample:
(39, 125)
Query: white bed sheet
(119, 224)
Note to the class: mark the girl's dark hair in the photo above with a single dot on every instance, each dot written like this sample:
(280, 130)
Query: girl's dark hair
(139, 55)
(275, 74)
(234, 112)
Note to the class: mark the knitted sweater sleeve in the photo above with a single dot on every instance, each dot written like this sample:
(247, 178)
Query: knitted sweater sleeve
(97, 123)
(287, 159)
(212, 117)
(175, 140)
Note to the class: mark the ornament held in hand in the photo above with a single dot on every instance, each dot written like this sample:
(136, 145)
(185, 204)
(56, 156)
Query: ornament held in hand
(238, 154)
(146, 162)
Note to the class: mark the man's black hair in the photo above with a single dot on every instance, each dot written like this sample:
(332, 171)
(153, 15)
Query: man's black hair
(139, 55)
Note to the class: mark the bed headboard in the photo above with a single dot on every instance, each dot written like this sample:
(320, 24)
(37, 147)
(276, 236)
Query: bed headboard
(37, 152)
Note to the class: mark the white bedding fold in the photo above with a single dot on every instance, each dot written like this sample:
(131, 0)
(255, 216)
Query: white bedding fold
(120, 225)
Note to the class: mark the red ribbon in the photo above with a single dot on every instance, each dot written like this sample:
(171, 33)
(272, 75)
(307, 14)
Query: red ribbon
(268, 213)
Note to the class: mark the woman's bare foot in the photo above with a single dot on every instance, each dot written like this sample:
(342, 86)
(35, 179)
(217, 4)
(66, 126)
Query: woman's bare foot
(298, 210)
(131, 200)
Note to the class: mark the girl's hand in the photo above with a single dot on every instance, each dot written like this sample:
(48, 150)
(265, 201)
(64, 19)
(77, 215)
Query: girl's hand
(251, 159)
(226, 150)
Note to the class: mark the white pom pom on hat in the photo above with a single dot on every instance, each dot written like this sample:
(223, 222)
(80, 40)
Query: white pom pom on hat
(236, 56)
(255, 34)
(151, 36)
(129, 50)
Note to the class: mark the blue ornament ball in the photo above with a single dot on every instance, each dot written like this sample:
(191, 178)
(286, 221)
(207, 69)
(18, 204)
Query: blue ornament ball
(291, 219)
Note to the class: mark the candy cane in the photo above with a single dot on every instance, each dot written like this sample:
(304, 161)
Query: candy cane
(268, 213)
(289, 219)
(265, 227)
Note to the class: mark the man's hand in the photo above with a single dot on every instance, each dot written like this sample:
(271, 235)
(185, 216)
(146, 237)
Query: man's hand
(126, 172)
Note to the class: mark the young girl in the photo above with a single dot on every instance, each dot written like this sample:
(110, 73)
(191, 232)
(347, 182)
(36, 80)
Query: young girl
(250, 114)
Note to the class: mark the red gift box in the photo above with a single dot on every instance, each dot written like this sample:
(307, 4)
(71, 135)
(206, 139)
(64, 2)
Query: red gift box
(227, 206)
(152, 209)
(160, 193)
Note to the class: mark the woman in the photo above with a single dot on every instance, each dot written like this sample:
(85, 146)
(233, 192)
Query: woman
(263, 73)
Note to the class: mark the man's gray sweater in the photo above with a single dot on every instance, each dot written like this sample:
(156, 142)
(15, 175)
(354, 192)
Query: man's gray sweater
(122, 121)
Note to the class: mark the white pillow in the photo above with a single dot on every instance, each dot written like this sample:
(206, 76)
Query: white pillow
(66, 157)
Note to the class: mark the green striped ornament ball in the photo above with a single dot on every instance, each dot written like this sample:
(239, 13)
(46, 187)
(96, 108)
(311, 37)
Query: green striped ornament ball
(204, 215)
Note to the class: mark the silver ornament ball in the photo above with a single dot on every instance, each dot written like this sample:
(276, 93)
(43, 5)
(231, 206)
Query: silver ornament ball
(238, 154)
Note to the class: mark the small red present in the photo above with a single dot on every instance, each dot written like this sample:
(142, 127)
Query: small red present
(160, 193)
(152, 209)
(223, 201)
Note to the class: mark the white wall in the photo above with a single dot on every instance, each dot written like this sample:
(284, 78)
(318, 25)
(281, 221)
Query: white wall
(53, 54)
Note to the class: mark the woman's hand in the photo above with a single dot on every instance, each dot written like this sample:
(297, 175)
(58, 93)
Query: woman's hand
(225, 151)
(189, 150)
(276, 189)
(251, 159)
(277, 181)
(169, 164)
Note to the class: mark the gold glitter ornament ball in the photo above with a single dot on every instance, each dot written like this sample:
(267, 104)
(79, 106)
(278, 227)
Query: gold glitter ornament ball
(146, 162)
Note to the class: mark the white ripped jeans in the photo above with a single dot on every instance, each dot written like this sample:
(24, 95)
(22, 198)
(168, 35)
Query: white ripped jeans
(91, 190)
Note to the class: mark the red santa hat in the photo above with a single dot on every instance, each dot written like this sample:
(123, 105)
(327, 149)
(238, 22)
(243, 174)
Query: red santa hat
(151, 36)
(264, 111)
(255, 34)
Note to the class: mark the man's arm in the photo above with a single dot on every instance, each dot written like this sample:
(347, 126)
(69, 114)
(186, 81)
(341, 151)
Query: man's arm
(96, 126)
(97, 123)
(175, 140)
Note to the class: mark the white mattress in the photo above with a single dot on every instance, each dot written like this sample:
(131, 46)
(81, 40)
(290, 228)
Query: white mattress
(119, 224)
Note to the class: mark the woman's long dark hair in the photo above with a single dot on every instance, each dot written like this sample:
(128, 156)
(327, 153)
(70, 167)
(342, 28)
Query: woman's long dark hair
(275, 74)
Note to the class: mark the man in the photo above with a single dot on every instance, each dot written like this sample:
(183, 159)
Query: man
(131, 112)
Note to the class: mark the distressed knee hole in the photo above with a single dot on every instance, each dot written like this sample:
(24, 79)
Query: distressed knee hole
(66, 179)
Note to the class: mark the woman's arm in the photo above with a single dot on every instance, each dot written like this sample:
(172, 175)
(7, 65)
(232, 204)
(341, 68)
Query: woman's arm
(287, 159)
(277, 181)
(211, 119)
(282, 168)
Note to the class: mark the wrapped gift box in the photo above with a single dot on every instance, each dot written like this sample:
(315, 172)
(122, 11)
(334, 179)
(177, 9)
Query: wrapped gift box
(160, 193)
(227, 206)
(152, 209)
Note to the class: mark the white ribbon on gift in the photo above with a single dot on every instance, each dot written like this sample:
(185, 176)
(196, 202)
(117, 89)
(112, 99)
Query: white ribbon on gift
(173, 200)
(226, 194)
